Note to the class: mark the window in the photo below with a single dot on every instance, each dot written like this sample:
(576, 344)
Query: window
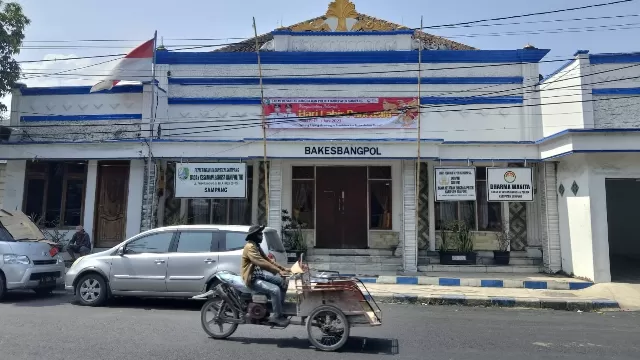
(54, 192)
(479, 215)
(234, 241)
(158, 243)
(222, 211)
(380, 191)
(195, 242)
(303, 185)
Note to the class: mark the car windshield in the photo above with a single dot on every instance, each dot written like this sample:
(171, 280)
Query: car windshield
(273, 241)
(5, 235)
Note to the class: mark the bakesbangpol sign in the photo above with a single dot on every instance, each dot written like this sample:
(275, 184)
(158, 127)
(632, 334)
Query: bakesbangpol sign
(509, 184)
(211, 180)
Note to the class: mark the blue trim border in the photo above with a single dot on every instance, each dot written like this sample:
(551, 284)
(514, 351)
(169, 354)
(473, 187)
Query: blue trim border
(341, 33)
(470, 100)
(345, 80)
(616, 91)
(353, 57)
(614, 58)
(41, 118)
(79, 90)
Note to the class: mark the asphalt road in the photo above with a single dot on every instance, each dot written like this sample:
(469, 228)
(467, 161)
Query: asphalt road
(52, 328)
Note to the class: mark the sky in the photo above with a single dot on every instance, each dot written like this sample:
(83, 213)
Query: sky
(136, 20)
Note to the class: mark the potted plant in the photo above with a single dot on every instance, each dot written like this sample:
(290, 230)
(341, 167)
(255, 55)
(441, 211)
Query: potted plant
(458, 233)
(292, 236)
(502, 255)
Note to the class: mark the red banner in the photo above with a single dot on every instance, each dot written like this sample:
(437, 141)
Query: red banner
(341, 113)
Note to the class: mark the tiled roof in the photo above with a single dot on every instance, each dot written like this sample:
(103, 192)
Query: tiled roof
(430, 41)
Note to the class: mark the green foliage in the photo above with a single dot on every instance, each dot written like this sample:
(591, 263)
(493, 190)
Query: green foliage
(12, 25)
(292, 236)
(504, 240)
(458, 233)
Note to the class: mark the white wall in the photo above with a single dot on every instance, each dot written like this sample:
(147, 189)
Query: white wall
(2, 181)
(583, 217)
(561, 99)
(14, 184)
(134, 202)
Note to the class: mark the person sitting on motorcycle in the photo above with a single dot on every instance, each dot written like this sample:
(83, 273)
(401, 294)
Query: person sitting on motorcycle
(263, 275)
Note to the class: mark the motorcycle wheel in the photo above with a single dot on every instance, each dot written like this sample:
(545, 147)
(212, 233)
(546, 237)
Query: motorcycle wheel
(214, 328)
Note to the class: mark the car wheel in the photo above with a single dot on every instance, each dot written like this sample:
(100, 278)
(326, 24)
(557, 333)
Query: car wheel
(44, 291)
(3, 288)
(92, 290)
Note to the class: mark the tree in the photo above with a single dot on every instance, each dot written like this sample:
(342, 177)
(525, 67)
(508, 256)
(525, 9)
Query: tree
(12, 25)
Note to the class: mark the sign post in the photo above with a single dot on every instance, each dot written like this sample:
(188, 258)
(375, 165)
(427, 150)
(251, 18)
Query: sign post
(455, 183)
(211, 180)
(509, 184)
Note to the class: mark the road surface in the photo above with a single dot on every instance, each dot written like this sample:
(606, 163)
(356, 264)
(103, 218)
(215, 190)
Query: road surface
(52, 328)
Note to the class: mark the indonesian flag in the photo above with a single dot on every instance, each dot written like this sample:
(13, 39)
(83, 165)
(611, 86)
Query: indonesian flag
(136, 66)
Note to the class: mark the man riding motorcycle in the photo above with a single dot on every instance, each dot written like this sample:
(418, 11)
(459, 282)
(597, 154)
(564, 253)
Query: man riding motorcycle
(263, 275)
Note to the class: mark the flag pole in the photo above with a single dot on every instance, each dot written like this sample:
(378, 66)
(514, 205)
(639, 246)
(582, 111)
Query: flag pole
(418, 138)
(152, 116)
(264, 125)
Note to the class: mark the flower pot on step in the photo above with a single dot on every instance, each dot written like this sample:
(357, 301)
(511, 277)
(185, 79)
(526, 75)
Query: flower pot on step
(457, 258)
(501, 257)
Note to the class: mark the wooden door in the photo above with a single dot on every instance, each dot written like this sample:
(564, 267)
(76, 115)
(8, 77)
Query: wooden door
(111, 203)
(341, 206)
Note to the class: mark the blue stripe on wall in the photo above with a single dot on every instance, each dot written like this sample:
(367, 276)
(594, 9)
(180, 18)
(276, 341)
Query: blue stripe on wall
(79, 90)
(424, 100)
(41, 118)
(359, 57)
(616, 91)
(345, 80)
(614, 58)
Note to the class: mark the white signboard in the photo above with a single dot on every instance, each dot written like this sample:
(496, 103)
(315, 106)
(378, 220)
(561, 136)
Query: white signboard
(509, 184)
(211, 180)
(455, 184)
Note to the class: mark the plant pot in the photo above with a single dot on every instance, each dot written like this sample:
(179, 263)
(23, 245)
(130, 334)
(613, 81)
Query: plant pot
(457, 258)
(501, 257)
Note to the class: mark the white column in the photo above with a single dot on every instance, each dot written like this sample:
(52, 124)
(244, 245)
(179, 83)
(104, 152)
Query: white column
(90, 198)
(409, 239)
(14, 184)
(432, 207)
(274, 217)
(550, 218)
(137, 176)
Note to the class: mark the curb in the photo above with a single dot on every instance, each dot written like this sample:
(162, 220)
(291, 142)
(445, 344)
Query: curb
(493, 283)
(487, 301)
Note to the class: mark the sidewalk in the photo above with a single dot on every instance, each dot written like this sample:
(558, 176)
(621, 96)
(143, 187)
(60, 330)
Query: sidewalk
(594, 297)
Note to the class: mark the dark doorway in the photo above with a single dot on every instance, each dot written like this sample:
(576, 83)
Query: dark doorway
(623, 197)
(111, 203)
(341, 203)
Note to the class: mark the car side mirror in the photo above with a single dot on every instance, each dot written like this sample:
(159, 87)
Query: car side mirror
(120, 251)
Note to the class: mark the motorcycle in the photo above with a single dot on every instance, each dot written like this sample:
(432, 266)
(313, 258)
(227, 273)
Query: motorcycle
(322, 303)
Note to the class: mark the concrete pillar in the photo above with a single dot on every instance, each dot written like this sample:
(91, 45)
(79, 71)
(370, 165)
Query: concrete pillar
(90, 198)
(149, 203)
(274, 218)
(409, 238)
(14, 184)
(137, 176)
(432, 209)
(550, 219)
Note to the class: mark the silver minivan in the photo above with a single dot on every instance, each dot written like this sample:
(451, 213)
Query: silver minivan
(175, 261)
(27, 259)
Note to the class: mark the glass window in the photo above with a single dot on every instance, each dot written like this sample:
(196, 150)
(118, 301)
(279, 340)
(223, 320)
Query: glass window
(303, 186)
(479, 215)
(54, 192)
(380, 191)
(155, 244)
(234, 240)
(195, 242)
(380, 204)
(273, 241)
(222, 211)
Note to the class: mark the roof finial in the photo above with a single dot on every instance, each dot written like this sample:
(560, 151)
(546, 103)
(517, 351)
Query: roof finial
(529, 46)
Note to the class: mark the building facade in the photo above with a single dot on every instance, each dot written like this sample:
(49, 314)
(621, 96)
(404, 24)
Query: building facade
(364, 120)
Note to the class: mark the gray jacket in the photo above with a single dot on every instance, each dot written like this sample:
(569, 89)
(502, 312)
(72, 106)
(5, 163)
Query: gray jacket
(81, 239)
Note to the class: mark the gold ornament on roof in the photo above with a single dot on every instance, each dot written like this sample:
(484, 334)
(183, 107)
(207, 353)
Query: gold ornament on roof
(312, 25)
(342, 10)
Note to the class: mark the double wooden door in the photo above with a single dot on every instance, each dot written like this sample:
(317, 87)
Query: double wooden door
(341, 208)
(112, 193)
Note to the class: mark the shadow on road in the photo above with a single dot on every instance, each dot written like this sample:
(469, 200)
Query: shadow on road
(155, 303)
(355, 344)
(31, 299)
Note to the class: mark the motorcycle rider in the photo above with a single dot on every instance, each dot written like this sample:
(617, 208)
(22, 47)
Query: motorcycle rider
(263, 275)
